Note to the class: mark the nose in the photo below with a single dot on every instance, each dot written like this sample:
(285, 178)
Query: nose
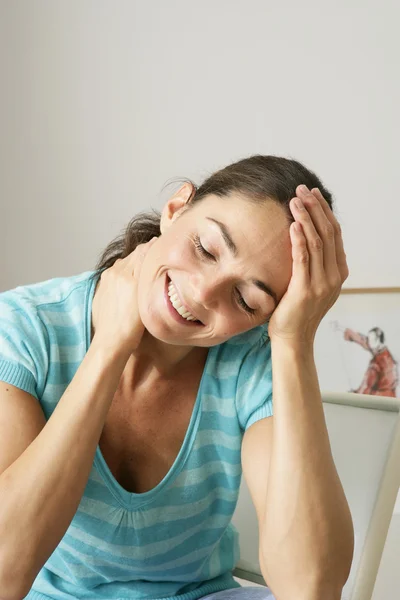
(206, 291)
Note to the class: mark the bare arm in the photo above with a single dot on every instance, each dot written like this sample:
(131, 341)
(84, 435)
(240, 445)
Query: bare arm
(41, 490)
(306, 532)
(306, 538)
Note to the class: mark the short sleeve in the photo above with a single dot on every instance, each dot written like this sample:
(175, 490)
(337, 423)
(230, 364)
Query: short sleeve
(254, 383)
(23, 347)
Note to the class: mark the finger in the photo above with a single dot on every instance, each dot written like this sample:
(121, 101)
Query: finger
(300, 256)
(117, 261)
(340, 253)
(143, 248)
(136, 257)
(326, 232)
(314, 243)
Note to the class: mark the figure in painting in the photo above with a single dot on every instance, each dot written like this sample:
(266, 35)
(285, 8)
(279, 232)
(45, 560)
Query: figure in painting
(382, 375)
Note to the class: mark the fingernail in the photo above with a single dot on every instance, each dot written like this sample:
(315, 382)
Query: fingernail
(303, 189)
(299, 204)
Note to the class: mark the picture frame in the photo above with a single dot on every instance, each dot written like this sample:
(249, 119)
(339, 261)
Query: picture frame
(357, 345)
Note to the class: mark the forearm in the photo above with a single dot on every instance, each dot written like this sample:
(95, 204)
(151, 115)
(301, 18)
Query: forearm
(307, 538)
(40, 492)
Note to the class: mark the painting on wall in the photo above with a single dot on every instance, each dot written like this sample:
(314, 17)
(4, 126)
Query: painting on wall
(357, 345)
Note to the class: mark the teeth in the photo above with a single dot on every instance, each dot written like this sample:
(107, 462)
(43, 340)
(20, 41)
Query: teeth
(177, 305)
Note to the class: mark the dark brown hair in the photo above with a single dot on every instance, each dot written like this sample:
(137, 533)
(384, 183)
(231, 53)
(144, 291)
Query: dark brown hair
(257, 179)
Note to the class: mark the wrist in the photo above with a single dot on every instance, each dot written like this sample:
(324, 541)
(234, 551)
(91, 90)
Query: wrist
(294, 345)
(109, 350)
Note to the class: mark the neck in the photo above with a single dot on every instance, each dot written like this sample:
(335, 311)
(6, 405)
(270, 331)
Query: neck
(165, 360)
(378, 349)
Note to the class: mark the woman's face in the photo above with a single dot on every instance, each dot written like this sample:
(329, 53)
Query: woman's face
(219, 287)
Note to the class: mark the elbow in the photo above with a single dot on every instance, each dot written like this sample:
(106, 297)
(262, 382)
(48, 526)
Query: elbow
(11, 593)
(12, 590)
(12, 584)
(312, 589)
(313, 585)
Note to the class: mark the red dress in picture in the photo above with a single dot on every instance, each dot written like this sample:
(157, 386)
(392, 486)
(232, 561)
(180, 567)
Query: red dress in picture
(382, 376)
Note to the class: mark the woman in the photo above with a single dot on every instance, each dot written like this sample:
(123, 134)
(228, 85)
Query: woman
(133, 395)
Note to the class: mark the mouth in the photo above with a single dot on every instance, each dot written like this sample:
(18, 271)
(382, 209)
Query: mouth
(174, 313)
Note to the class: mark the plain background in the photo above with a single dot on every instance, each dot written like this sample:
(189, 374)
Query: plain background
(104, 101)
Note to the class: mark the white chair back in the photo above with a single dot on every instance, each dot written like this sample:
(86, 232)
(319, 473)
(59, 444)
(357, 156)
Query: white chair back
(364, 433)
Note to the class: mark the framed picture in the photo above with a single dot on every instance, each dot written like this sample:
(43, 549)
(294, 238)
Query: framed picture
(357, 345)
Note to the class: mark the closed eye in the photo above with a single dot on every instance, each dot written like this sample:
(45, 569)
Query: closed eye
(202, 250)
(204, 253)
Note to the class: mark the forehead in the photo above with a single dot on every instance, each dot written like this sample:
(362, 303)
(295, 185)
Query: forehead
(253, 226)
(260, 231)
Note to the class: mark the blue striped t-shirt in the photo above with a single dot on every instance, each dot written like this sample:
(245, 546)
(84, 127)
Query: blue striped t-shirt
(176, 540)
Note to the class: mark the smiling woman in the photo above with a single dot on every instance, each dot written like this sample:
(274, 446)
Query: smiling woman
(147, 383)
(225, 245)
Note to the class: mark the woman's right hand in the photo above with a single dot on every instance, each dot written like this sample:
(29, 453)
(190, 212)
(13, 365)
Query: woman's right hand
(116, 318)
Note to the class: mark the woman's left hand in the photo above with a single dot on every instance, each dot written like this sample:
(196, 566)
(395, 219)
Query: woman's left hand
(318, 272)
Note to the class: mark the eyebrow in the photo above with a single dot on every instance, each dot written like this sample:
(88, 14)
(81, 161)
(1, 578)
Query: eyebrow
(234, 251)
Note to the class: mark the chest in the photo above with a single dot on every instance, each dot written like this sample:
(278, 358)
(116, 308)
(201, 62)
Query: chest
(144, 432)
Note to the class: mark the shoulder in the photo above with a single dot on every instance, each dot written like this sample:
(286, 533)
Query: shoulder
(251, 351)
(245, 345)
(248, 366)
(33, 299)
(27, 312)
(255, 336)
(34, 319)
(51, 290)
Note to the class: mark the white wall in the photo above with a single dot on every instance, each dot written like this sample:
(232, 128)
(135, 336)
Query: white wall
(103, 101)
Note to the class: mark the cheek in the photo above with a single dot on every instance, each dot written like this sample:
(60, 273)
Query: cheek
(177, 251)
(232, 324)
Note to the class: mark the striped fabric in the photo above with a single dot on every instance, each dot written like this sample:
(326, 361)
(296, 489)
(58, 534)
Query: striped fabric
(177, 539)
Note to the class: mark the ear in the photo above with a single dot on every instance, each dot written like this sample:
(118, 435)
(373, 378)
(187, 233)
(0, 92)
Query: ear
(177, 204)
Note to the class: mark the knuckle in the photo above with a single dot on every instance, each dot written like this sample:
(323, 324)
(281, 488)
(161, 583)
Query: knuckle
(115, 266)
(316, 244)
(311, 199)
(321, 291)
(308, 295)
(338, 281)
(337, 228)
(335, 282)
(329, 231)
(303, 257)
